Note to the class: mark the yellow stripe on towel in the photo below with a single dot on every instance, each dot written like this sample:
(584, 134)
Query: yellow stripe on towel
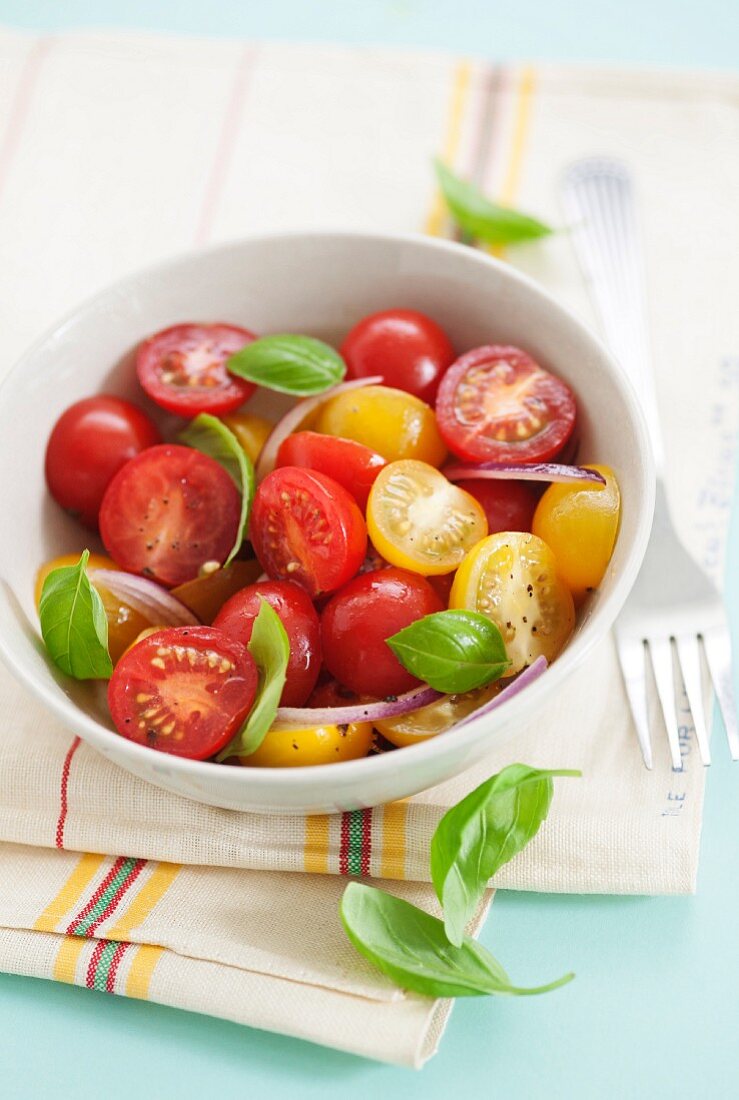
(460, 89)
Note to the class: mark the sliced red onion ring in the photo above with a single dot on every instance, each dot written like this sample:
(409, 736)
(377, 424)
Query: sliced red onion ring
(514, 471)
(157, 605)
(295, 417)
(522, 681)
(303, 717)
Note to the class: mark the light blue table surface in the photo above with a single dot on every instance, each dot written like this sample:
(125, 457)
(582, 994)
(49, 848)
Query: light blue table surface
(655, 1009)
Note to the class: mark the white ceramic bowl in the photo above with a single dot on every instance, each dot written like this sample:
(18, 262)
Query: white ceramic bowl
(320, 284)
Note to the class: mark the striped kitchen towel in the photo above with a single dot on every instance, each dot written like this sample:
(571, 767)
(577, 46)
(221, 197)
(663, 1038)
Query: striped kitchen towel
(116, 150)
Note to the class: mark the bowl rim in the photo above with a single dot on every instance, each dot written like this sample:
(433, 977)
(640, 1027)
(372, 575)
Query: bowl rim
(350, 770)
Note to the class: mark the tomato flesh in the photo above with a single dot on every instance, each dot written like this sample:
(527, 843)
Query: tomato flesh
(299, 618)
(404, 347)
(420, 521)
(497, 404)
(508, 505)
(183, 368)
(351, 464)
(307, 528)
(438, 717)
(513, 578)
(357, 621)
(89, 443)
(184, 691)
(169, 511)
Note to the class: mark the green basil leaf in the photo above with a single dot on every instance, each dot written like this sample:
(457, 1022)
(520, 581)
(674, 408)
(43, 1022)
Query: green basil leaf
(482, 219)
(481, 833)
(270, 648)
(453, 651)
(73, 623)
(410, 946)
(210, 435)
(299, 365)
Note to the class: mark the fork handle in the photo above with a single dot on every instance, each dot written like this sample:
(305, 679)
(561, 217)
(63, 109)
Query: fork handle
(600, 208)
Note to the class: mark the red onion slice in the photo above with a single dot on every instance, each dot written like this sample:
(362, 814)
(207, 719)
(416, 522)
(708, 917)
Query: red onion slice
(514, 471)
(157, 605)
(304, 717)
(295, 417)
(522, 681)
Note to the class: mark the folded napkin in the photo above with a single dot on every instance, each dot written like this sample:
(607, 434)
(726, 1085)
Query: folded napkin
(116, 150)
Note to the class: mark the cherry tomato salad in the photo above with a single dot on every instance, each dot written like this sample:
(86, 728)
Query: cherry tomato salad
(405, 549)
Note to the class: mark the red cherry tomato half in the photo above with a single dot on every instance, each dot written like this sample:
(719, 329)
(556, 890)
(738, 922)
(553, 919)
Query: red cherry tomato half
(406, 348)
(89, 443)
(305, 527)
(299, 618)
(508, 505)
(169, 511)
(357, 620)
(351, 464)
(185, 691)
(183, 369)
(497, 404)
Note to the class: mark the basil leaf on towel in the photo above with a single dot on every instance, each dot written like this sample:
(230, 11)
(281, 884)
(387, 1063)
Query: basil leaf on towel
(453, 651)
(212, 437)
(410, 946)
(73, 623)
(482, 219)
(298, 365)
(270, 648)
(481, 833)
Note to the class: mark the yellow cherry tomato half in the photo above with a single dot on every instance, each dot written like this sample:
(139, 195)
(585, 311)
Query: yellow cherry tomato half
(298, 748)
(391, 422)
(512, 578)
(580, 523)
(206, 595)
(437, 717)
(418, 520)
(124, 624)
(250, 430)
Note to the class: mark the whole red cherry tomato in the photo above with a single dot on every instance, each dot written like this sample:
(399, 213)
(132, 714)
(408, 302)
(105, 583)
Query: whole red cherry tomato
(357, 621)
(299, 618)
(89, 443)
(508, 505)
(405, 348)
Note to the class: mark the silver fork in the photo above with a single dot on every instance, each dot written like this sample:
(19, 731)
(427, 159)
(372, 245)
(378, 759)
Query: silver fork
(674, 610)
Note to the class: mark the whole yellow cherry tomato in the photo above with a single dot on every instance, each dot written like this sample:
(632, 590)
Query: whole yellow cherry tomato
(580, 523)
(418, 520)
(250, 430)
(124, 624)
(512, 578)
(437, 717)
(391, 422)
(291, 748)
